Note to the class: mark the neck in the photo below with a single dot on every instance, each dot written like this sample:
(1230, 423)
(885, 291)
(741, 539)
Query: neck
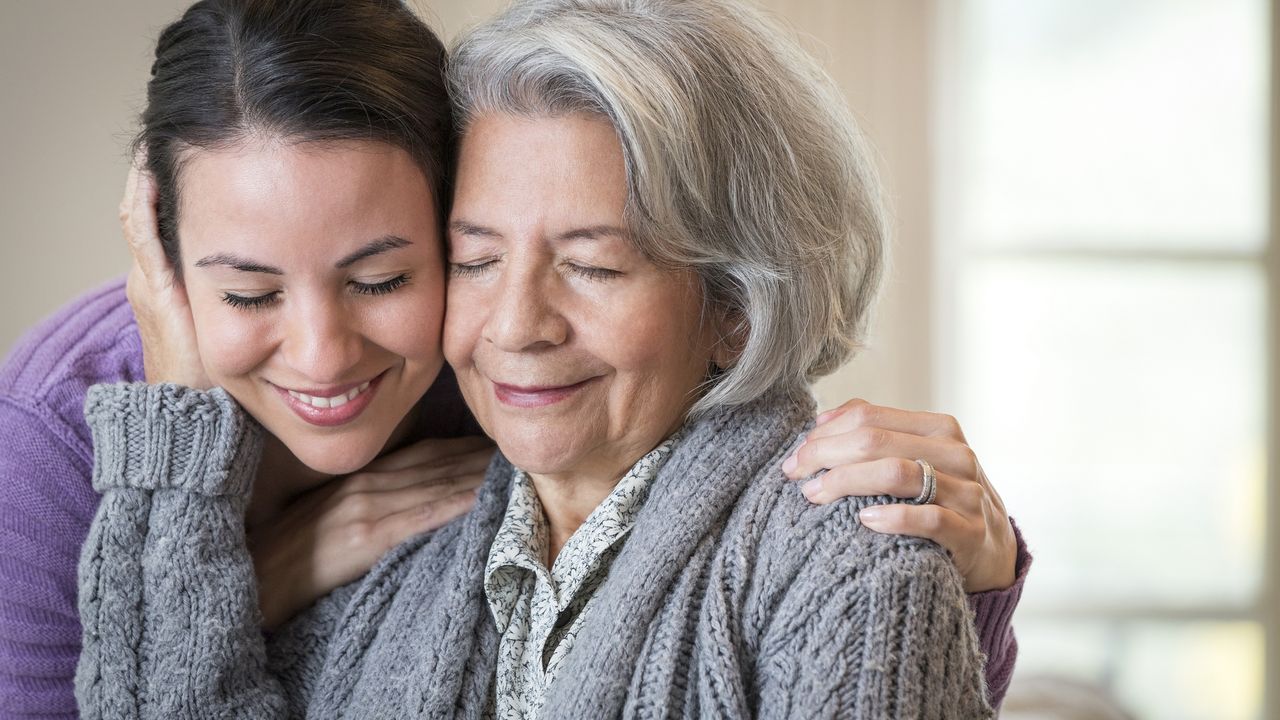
(282, 477)
(567, 501)
(568, 498)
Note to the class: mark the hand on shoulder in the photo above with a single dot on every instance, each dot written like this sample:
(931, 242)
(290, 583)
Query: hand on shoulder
(868, 449)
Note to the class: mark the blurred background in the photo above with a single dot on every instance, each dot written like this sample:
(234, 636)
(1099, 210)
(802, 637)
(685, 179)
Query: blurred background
(1085, 273)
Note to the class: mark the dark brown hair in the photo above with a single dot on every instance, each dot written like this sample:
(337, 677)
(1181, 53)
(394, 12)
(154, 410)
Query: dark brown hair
(300, 70)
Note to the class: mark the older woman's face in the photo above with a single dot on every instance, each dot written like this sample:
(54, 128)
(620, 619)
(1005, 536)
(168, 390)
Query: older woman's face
(575, 352)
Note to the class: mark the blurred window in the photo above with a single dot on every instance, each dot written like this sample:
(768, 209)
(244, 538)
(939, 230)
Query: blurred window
(1103, 218)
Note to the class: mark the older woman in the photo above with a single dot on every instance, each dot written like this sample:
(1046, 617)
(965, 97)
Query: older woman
(664, 226)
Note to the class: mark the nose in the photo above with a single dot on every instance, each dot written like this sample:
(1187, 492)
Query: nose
(323, 342)
(524, 315)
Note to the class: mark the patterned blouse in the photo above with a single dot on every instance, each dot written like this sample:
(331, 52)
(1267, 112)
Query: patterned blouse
(539, 611)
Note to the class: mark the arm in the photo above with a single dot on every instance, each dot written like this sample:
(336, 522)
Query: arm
(167, 593)
(882, 634)
(993, 619)
(45, 505)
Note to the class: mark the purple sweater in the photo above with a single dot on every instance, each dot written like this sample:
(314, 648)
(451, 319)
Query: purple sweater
(47, 502)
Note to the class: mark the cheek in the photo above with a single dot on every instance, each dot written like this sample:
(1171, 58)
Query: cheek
(463, 323)
(655, 335)
(409, 324)
(230, 342)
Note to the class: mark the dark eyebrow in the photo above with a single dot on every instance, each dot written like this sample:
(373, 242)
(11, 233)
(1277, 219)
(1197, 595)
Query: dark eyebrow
(377, 247)
(238, 263)
(381, 245)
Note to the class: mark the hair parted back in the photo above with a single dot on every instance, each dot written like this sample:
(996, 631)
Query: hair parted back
(743, 163)
(299, 71)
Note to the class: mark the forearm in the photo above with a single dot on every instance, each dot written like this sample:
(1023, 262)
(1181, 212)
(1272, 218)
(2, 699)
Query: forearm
(167, 594)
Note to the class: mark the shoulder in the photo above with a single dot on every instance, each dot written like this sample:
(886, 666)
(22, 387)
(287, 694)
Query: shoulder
(46, 376)
(805, 548)
(846, 612)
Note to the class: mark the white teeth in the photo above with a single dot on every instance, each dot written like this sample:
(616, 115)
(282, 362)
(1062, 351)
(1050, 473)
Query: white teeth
(324, 403)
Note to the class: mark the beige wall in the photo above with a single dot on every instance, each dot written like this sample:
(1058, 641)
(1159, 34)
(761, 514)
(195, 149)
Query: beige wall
(73, 76)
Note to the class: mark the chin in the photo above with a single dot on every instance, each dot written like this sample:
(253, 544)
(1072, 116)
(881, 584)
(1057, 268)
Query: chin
(333, 456)
(540, 455)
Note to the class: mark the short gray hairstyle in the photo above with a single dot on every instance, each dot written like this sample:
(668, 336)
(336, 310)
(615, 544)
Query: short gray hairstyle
(743, 163)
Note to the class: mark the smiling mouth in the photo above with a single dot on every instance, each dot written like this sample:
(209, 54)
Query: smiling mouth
(331, 407)
(333, 401)
(534, 397)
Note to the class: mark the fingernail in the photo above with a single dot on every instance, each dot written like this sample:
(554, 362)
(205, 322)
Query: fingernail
(811, 487)
(870, 515)
(789, 465)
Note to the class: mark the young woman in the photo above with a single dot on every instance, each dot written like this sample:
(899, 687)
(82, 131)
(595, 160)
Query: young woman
(301, 152)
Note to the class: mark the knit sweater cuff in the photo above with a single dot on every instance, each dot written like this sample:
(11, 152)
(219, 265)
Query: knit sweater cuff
(152, 437)
(993, 617)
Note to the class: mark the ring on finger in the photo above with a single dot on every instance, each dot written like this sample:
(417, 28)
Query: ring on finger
(929, 490)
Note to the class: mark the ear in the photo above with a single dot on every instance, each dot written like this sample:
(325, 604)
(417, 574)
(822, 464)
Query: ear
(731, 333)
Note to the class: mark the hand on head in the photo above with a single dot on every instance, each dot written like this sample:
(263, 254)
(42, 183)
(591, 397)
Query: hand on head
(155, 292)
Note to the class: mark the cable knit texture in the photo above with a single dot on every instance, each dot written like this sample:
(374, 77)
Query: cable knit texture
(188, 440)
(732, 597)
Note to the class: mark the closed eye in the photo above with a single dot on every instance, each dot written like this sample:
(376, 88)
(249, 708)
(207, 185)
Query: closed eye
(591, 272)
(471, 269)
(250, 302)
(381, 288)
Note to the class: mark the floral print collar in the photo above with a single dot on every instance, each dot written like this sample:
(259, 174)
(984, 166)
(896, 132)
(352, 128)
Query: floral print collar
(539, 611)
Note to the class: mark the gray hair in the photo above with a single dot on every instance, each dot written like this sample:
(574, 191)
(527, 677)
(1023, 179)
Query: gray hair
(743, 163)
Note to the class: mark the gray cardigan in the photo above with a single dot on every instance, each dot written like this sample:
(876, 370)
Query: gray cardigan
(732, 597)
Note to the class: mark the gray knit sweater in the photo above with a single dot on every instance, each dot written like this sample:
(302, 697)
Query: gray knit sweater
(733, 596)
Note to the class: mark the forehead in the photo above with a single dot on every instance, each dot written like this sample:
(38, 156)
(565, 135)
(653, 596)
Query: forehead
(540, 166)
(270, 191)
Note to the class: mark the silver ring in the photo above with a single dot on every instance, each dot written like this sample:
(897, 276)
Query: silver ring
(930, 490)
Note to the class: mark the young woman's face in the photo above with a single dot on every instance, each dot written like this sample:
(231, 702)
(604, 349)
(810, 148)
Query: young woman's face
(316, 281)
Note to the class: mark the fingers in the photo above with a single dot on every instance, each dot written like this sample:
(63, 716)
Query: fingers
(435, 451)
(892, 476)
(130, 192)
(866, 444)
(141, 229)
(373, 505)
(395, 529)
(473, 464)
(860, 413)
(932, 522)
(319, 543)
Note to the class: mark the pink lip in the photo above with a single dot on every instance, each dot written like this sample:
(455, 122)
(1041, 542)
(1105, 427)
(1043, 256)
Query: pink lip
(334, 391)
(535, 397)
(330, 417)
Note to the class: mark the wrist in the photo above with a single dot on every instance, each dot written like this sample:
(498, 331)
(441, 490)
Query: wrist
(153, 437)
(274, 581)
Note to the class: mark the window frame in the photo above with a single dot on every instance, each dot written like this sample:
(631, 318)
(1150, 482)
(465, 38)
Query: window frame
(949, 256)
